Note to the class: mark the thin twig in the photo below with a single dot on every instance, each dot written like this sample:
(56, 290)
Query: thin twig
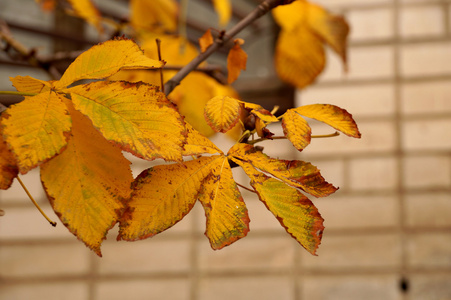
(261, 10)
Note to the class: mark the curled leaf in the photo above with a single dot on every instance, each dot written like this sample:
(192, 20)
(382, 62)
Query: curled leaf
(236, 61)
(332, 115)
(296, 129)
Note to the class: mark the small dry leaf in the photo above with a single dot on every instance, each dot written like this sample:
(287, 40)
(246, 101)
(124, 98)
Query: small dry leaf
(236, 61)
(206, 40)
(296, 129)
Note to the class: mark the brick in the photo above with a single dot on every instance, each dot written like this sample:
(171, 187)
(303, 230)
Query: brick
(431, 249)
(171, 289)
(45, 290)
(151, 255)
(427, 172)
(262, 288)
(419, 21)
(430, 286)
(426, 97)
(428, 209)
(425, 59)
(373, 173)
(368, 287)
(29, 224)
(340, 252)
(361, 101)
(427, 134)
(249, 253)
(371, 24)
(43, 260)
(358, 212)
(377, 136)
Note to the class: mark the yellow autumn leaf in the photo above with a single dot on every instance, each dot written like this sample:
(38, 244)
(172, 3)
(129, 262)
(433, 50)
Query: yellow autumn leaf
(36, 129)
(205, 40)
(197, 144)
(162, 196)
(299, 174)
(222, 113)
(8, 167)
(29, 84)
(88, 184)
(227, 217)
(332, 115)
(154, 15)
(106, 59)
(135, 116)
(306, 27)
(224, 10)
(257, 110)
(85, 9)
(296, 129)
(295, 212)
(236, 61)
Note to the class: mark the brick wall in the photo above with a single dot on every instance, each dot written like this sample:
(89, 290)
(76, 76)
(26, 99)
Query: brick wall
(388, 227)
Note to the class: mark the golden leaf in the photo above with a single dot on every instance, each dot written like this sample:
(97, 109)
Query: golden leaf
(332, 115)
(236, 61)
(36, 129)
(295, 212)
(154, 15)
(197, 144)
(106, 59)
(88, 183)
(222, 113)
(8, 166)
(85, 9)
(137, 117)
(224, 11)
(306, 27)
(296, 173)
(227, 218)
(296, 129)
(162, 196)
(29, 84)
(205, 41)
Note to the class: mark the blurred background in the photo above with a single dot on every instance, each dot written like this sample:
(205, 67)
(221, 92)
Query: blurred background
(388, 227)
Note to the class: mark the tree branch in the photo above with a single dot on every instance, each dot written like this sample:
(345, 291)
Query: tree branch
(259, 11)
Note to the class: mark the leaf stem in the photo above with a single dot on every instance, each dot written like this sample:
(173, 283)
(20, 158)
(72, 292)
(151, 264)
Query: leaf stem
(321, 136)
(246, 188)
(336, 133)
(17, 93)
(34, 202)
(259, 11)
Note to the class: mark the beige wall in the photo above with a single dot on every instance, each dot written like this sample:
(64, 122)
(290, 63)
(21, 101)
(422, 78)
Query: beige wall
(391, 218)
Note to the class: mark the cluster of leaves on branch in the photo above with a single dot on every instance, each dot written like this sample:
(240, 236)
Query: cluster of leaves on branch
(109, 100)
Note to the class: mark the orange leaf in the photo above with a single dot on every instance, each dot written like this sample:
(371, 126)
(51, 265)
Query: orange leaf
(296, 129)
(205, 40)
(162, 196)
(236, 61)
(332, 115)
(8, 165)
(47, 5)
(29, 84)
(36, 129)
(227, 218)
(222, 113)
(295, 212)
(106, 59)
(88, 183)
(137, 117)
(296, 173)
